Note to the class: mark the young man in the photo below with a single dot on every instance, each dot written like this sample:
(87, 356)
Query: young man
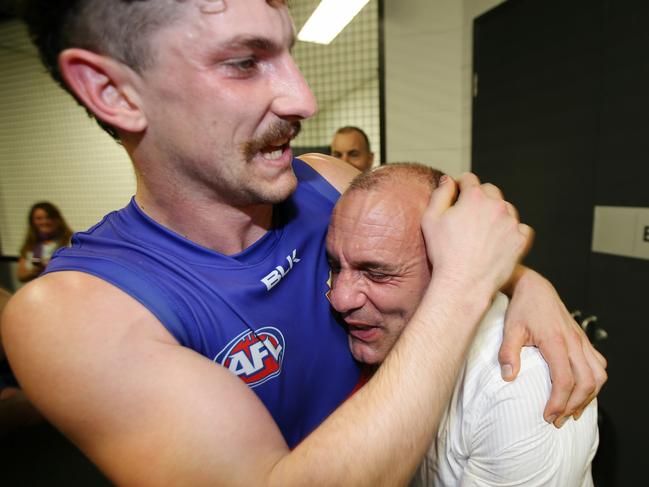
(220, 258)
(352, 145)
(492, 432)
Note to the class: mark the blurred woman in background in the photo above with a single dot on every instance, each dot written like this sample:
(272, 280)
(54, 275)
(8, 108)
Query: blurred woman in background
(47, 232)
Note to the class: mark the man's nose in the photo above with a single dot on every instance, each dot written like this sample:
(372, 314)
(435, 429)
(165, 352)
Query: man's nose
(294, 99)
(347, 293)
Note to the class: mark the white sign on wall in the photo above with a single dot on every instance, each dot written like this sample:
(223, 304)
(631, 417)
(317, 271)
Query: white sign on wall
(621, 230)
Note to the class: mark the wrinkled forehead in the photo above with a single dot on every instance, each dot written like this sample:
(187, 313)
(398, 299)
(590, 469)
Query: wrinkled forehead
(389, 200)
(385, 218)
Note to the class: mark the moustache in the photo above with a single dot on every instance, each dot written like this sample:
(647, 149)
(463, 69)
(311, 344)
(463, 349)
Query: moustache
(280, 130)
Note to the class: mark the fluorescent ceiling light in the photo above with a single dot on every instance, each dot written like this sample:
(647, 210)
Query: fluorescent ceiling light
(329, 19)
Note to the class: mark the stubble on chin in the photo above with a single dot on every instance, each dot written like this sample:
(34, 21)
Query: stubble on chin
(256, 190)
(281, 190)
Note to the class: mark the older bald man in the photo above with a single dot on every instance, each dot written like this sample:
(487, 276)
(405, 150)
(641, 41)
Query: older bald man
(493, 432)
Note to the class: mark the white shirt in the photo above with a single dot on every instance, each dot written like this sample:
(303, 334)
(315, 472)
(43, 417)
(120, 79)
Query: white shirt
(493, 432)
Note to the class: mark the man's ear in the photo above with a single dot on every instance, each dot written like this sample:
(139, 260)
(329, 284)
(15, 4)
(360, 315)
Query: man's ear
(105, 86)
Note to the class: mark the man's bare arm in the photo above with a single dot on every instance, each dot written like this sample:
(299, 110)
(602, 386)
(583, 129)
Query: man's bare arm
(537, 317)
(150, 412)
(144, 409)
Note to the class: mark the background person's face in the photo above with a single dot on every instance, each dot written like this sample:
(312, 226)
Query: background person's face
(379, 266)
(43, 223)
(351, 148)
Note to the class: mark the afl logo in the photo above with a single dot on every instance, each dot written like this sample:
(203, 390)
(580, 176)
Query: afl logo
(254, 356)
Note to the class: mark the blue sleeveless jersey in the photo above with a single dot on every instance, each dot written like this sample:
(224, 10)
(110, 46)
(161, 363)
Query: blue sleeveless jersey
(262, 313)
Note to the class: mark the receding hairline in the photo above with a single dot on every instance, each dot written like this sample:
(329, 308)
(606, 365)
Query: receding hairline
(400, 191)
(408, 173)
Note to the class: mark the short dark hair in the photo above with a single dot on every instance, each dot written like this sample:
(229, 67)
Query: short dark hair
(411, 172)
(120, 29)
(352, 128)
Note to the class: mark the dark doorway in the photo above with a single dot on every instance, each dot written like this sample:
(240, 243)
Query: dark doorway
(561, 124)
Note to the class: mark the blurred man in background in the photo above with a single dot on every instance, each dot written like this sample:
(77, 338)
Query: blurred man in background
(352, 145)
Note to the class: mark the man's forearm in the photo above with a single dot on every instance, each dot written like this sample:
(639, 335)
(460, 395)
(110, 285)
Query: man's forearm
(519, 273)
(380, 434)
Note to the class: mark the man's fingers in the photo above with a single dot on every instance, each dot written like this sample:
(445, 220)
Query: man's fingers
(511, 209)
(527, 232)
(509, 355)
(597, 364)
(492, 191)
(555, 353)
(584, 384)
(468, 180)
(600, 358)
(580, 411)
(442, 198)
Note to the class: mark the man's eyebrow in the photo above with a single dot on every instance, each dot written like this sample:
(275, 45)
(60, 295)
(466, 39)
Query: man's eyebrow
(256, 43)
(376, 266)
(386, 267)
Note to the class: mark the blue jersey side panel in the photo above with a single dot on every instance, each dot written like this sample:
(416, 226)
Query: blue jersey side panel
(262, 313)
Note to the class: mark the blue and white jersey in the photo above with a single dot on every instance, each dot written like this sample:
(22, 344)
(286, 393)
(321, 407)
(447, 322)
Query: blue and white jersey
(262, 313)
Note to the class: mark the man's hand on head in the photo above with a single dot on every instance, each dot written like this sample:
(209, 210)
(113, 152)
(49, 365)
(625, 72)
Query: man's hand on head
(476, 239)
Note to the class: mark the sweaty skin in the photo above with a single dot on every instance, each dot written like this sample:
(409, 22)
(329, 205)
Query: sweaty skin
(152, 412)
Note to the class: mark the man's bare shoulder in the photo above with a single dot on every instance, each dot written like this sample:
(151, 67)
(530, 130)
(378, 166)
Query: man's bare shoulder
(74, 313)
(101, 367)
(68, 299)
(337, 172)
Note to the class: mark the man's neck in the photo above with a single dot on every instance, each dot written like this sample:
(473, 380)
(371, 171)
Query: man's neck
(212, 224)
(193, 212)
